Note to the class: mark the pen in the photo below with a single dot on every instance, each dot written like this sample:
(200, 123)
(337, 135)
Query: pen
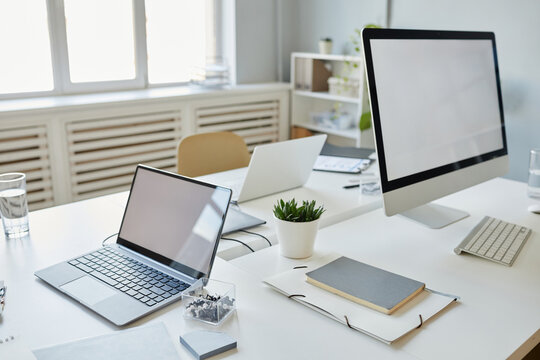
(351, 186)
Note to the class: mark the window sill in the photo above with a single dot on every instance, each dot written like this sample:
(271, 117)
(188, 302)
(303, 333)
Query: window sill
(153, 94)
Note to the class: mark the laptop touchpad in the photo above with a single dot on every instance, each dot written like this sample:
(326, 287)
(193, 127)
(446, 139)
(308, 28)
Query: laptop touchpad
(88, 290)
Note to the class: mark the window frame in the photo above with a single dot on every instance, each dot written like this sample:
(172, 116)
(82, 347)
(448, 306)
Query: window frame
(60, 60)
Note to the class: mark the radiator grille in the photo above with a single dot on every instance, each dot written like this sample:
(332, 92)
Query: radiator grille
(25, 149)
(103, 153)
(257, 122)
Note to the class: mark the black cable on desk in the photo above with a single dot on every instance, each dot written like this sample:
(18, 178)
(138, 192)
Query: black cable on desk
(107, 238)
(238, 241)
(254, 233)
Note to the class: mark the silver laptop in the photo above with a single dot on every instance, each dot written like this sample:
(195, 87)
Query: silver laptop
(277, 167)
(167, 240)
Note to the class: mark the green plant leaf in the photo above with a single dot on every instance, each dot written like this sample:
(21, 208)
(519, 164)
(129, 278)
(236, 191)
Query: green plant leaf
(365, 121)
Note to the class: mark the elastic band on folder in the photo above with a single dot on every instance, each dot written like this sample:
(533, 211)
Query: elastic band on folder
(347, 321)
(300, 267)
(421, 321)
(296, 295)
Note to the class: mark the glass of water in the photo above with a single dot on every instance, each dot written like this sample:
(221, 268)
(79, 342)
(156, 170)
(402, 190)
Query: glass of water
(13, 206)
(534, 174)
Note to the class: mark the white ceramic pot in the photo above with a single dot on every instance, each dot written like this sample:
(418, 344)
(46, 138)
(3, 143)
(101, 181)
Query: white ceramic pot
(296, 239)
(325, 47)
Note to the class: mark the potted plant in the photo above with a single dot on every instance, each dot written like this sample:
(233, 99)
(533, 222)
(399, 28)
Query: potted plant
(296, 227)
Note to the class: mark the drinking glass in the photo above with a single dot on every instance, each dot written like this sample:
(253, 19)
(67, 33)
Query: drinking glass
(13, 205)
(533, 188)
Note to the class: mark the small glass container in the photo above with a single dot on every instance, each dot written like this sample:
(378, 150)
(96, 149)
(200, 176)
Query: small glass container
(210, 301)
(533, 188)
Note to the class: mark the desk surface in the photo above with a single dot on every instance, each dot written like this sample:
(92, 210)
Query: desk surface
(498, 311)
(499, 307)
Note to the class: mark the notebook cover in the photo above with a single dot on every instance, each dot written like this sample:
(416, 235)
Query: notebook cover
(346, 151)
(378, 289)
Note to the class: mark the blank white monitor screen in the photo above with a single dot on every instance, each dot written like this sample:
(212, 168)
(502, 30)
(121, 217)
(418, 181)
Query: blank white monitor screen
(438, 102)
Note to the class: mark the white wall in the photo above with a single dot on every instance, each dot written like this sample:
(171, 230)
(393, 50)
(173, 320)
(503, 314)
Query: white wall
(517, 30)
(256, 41)
(305, 22)
(269, 30)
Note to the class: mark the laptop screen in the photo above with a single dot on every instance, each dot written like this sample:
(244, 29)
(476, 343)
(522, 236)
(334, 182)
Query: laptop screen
(174, 220)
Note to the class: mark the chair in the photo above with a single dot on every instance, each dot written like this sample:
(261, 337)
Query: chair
(208, 153)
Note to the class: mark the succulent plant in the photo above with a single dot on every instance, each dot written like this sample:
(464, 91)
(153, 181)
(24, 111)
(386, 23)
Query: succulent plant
(290, 211)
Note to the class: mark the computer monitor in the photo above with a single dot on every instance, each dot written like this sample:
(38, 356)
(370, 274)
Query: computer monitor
(437, 116)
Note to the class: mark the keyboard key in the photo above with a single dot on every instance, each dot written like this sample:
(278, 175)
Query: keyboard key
(144, 299)
(145, 291)
(173, 292)
(131, 292)
(157, 290)
(138, 296)
(158, 299)
(104, 278)
(166, 295)
(73, 262)
(151, 303)
(84, 268)
(166, 288)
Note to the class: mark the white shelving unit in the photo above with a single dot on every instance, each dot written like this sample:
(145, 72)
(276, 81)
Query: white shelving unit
(304, 102)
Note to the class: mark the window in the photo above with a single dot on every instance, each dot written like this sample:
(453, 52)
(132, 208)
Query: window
(78, 46)
(25, 64)
(176, 38)
(100, 40)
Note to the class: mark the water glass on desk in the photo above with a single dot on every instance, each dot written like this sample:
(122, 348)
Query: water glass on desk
(533, 188)
(13, 205)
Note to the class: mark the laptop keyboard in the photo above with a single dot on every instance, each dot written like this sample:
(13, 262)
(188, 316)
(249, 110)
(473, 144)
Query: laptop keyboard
(140, 281)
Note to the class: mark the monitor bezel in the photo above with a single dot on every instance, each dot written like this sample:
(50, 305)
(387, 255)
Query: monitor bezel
(184, 269)
(376, 34)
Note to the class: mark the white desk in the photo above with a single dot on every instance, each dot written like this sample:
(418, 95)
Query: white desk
(267, 325)
(500, 306)
(498, 311)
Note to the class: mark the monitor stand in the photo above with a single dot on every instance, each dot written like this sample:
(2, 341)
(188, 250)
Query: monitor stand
(434, 216)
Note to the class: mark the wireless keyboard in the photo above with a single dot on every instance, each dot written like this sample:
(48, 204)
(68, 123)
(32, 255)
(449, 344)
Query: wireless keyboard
(495, 240)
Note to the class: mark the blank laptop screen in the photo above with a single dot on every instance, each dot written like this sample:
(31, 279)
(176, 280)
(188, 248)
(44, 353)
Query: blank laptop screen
(176, 218)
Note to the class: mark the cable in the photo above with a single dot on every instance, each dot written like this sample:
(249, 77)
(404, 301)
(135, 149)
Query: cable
(254, 233)
(107, 238)
(238, 241)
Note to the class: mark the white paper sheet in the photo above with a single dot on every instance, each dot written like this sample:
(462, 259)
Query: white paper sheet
(144, 342)
(340, 164)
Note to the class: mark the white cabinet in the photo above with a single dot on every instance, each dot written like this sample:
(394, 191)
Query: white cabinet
(335, 109)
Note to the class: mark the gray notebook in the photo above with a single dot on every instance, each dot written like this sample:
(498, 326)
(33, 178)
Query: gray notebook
(378, 289)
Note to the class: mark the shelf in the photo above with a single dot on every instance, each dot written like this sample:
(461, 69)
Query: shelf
(326, 96)
(353, 133)
(330, 57)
